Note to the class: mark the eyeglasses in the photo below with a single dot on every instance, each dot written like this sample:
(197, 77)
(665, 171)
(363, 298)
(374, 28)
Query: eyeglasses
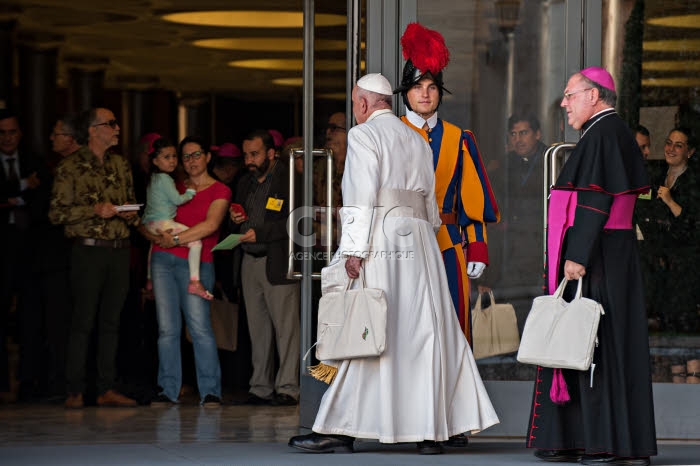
(111, 123)
(331, 127)
(196, 155)
(567, 95)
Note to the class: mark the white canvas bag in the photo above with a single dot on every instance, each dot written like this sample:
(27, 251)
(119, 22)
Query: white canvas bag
(559, 334)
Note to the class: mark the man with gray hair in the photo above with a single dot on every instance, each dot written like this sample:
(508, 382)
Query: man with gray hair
(604, 416)
(425, 386)
(89, 186)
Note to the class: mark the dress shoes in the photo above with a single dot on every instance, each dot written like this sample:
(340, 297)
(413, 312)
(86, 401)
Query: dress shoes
(114, 399)
(74, 401)
(255, 400)
(429, 447)
(282, 399)
(603, 460)
(459, 441)
(321, 443)
(559, 456)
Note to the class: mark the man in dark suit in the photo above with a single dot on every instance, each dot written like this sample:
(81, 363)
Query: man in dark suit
(20, 187)
(272, 301)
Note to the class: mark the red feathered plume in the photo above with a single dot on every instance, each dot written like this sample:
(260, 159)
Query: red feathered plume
(425, 48)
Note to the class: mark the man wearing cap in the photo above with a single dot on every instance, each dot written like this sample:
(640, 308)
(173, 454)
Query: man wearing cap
(425, 386)
(462, 188)
(604, 415)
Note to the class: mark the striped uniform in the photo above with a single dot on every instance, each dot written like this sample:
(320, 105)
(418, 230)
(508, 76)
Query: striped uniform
(466, 204)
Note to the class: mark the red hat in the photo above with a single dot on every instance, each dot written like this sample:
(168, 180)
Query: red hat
(276, 137)
(227, 150)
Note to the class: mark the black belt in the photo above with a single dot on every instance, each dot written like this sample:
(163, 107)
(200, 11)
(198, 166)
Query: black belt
(104, 243)
(257, 254)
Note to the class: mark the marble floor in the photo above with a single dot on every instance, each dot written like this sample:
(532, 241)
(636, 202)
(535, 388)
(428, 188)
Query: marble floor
(41, 434)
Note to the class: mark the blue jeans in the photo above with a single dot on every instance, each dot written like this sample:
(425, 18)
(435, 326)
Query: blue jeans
(171, 276)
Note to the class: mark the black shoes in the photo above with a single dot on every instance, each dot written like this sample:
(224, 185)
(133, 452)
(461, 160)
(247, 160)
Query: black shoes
(593, 460)
(559, 456)
(459, 441)
(282, 399)
(429, 447)
(279, 399)
(321, 443)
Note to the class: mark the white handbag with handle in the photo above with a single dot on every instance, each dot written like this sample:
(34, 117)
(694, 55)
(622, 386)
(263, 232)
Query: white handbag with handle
(559, 334)
(351, 323)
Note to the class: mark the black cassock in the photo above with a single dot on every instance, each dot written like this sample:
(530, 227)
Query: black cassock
(611, 409)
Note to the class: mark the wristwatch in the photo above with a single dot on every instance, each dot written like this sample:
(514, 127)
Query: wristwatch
(176, 238)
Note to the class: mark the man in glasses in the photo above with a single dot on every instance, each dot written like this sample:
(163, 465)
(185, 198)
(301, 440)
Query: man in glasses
(609, 415)
(336, 139)
(54, 251)
(90, 184)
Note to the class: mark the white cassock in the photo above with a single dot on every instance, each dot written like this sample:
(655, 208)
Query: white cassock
(425, 386)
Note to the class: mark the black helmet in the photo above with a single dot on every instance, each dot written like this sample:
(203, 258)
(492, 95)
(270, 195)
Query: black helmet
(426, 55)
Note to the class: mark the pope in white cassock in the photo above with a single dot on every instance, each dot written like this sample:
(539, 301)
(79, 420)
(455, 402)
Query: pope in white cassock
(425, 387)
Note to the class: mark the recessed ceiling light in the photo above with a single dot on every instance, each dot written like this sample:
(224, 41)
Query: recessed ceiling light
(319, 82)
(680, 21)
(671, 82)
(291, 64)
(332, 96)
(671, 65)
(672, 45)
(268, 44)
(295, 82)
(253, 19)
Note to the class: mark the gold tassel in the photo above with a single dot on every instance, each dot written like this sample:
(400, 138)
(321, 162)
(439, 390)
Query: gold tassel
(323, 372)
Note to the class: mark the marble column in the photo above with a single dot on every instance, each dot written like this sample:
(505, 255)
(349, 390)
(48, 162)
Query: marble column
(194, 115)
(86, 77)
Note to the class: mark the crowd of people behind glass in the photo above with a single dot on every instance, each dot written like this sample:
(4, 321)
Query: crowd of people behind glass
(666, 219)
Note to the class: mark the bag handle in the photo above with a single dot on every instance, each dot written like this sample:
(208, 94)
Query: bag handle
(362, 280)
(477, 304)
(560, 290)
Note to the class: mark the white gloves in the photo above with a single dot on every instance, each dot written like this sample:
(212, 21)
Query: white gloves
(475, 269)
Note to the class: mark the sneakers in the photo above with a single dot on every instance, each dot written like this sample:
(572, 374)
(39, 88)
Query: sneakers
(74, 401)
(114, 399)
(211, 401)
(162, 401)
(196, 287)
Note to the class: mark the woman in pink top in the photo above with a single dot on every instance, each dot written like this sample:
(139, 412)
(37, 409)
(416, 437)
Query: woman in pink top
(170, 271)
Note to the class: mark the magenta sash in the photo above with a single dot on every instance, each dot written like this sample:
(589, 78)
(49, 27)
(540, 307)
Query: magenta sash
(561, 214)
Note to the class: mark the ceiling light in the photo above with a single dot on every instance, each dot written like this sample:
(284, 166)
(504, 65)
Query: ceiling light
(252, 19)
(672, 45)
(294, 82)
(332, 96)
(681, 21)
(671, 82)
(268, 44)
(318, 82)
(670, 65)
(291, 64)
